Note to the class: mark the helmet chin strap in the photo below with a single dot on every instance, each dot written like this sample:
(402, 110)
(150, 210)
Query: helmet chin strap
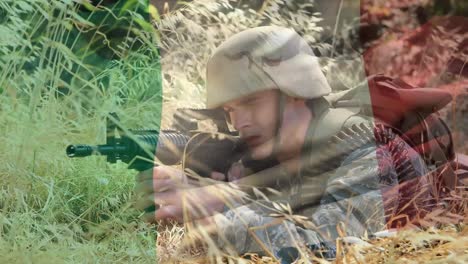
(276, 143)
(272, 158)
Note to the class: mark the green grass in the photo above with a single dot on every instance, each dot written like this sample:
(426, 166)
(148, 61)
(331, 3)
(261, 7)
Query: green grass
(63, 68)
(57, 86)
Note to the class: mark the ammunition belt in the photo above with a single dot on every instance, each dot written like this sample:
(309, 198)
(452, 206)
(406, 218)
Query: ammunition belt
(331, 155)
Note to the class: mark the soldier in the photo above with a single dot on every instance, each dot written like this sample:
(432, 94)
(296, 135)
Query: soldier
(329, 169)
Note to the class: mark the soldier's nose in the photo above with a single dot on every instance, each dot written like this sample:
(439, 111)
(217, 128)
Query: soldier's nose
(240, 121)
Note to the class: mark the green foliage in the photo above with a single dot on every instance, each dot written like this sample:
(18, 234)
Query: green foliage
(448, 7)
(63, 67)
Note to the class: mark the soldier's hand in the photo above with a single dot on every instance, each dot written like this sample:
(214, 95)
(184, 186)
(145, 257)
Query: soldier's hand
(236, 171)
(175, 196)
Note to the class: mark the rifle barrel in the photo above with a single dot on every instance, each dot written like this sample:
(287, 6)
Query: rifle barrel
(74, 151)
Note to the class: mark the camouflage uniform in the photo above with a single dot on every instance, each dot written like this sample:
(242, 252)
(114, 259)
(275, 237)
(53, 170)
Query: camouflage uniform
(348, 194)
(336, 185)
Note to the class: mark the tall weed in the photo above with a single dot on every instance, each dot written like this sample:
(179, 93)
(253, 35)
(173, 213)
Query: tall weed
(64, 66)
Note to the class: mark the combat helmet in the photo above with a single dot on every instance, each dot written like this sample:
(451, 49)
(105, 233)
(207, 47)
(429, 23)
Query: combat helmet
(264, 58)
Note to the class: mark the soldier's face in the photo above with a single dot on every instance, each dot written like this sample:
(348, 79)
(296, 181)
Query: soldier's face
(255, 117)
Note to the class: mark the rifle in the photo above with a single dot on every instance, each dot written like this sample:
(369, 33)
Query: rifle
(201, 152)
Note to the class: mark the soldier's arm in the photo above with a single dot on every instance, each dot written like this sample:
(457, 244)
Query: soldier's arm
(353, 201)
(366, 190)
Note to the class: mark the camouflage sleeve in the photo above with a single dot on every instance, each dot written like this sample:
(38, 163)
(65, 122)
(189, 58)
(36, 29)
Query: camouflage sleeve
(355, 197)
(353, 201)
(252, 229)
